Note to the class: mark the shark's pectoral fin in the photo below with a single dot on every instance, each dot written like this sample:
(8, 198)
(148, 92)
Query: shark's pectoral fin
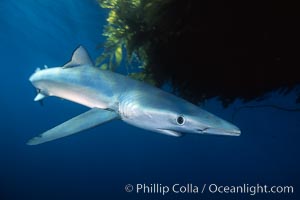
(84, 121)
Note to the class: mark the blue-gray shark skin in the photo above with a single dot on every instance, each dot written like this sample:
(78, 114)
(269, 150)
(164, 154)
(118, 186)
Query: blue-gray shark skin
(114, 96)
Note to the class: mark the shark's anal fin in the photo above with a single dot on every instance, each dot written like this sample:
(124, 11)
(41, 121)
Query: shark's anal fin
(40, 97)
(84, 121)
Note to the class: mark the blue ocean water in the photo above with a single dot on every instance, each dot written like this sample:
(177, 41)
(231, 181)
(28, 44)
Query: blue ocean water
(99, 163)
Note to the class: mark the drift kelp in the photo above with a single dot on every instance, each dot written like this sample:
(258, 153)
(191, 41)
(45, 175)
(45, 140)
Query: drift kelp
(131, 24)
(206, 49)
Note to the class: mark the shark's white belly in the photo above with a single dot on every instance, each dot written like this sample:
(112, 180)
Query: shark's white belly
(86, 97)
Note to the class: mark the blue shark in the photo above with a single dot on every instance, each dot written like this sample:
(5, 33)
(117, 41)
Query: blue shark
(113, 96)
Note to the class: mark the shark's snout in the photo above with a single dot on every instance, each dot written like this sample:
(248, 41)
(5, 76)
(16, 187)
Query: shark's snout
(210, 124)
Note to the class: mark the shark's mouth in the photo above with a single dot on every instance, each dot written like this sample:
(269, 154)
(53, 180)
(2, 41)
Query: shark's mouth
(216, 131)
(169, 132)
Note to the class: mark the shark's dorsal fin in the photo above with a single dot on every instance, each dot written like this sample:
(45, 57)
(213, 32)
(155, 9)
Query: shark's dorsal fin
(80, 57)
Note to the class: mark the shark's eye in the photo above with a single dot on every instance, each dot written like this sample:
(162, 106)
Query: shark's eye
(180, 120)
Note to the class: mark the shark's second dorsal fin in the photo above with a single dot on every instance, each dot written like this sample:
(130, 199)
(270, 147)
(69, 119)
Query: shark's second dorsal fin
(80, 57)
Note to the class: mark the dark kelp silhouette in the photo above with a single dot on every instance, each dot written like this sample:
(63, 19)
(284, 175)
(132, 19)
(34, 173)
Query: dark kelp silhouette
(225, 49)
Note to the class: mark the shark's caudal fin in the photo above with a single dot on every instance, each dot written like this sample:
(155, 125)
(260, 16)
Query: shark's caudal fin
(84, 121)
(80, 57)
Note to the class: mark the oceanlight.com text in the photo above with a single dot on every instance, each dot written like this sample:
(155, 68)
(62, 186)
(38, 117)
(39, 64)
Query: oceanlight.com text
(250, 189)
(190, 188)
